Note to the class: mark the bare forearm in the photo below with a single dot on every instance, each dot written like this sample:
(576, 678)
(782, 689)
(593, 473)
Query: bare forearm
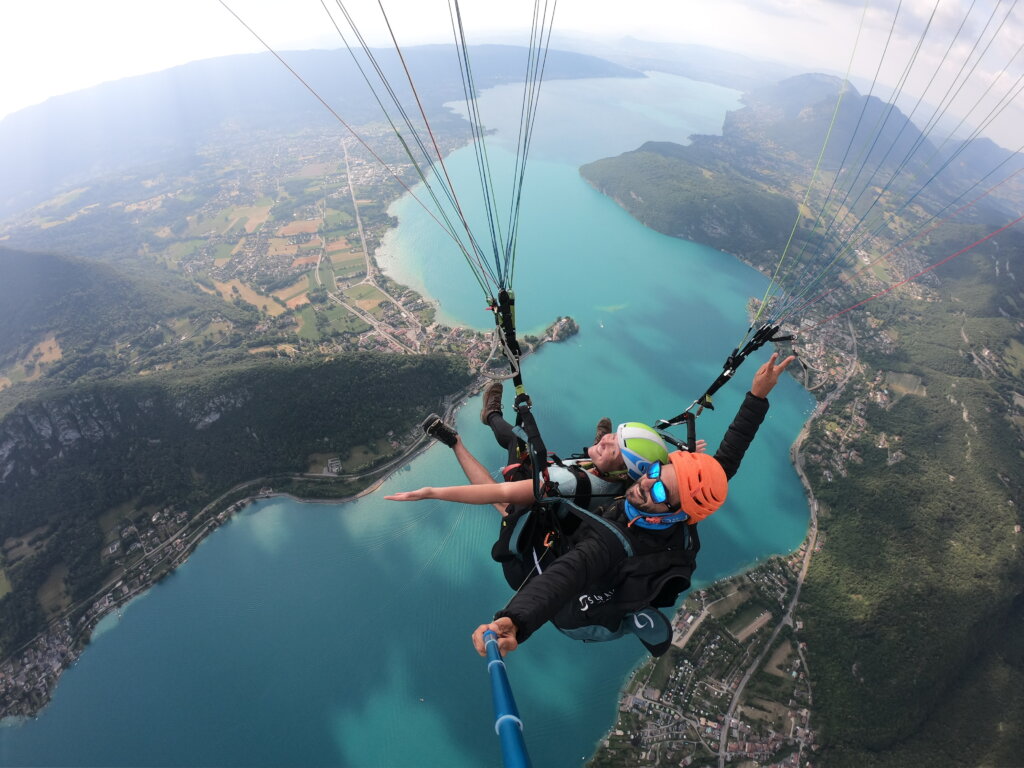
(485, 493)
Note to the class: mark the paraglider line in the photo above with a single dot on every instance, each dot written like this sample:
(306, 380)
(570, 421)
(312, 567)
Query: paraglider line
(914, 277)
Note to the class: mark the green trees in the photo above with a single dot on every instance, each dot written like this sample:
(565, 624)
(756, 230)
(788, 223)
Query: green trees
(908, 606)
(183, 438)
(681, 192)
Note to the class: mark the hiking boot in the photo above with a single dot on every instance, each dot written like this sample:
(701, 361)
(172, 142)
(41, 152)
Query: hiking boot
(604, 427)
(492, 401)
(434, 426)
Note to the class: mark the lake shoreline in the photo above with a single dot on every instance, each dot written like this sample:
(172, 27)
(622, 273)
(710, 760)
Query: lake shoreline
(43, 660)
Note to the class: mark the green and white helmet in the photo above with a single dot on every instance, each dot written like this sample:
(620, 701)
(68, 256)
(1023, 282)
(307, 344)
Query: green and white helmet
(640, 446)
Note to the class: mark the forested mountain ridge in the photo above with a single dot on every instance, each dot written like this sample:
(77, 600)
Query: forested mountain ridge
(912, 610)
(707, 202)
(911, 606)
(74, 461)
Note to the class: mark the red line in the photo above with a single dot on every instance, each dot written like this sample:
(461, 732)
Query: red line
(914, 277)
(911, 239)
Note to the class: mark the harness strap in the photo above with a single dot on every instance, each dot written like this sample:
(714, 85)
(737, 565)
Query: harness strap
(586, 514)
(528, 432)
(584, 490)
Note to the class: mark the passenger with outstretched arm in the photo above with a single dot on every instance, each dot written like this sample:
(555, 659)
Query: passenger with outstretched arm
(614, 575)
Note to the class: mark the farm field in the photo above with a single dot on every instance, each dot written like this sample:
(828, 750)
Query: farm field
(1015, 357)
(327, 277)
(281, 246)
(236, 287)
(728, 604)
(296, 292)
(362, 456)
(344, 321)
(16, 548)
(287, 349)
(331, 318)
(213, 332)
(315, 170)
(368, 298)
(309, 226)
(905, 384)
(251, 218)
(53, 594)
(179, 250)
(306, 318)
(335, 220)
(223, 252)
(111, 520)
(766, 712)
(747, 619)
(348, 265)
(5, 583)
(742, 631)
(31, 366)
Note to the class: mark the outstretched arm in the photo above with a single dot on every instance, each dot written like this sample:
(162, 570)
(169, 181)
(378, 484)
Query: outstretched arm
(475, 472)
(543, 596)
(517, 492)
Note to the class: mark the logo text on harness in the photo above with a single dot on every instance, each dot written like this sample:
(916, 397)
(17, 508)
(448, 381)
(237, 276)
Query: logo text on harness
(588, 600)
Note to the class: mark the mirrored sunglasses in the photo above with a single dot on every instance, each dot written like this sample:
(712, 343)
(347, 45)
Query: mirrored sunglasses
(658, 491)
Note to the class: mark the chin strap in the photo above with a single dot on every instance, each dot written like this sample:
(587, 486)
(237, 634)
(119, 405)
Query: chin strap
(654, 522)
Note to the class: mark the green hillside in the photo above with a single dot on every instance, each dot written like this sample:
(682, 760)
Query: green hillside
(77, 458)
(912, 610)
(681, 193)
(65, 319)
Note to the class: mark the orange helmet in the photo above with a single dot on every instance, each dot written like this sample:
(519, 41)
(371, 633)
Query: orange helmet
(702, 483)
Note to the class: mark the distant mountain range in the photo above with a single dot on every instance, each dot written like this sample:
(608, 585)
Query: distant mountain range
(166, 116)
(697, 62)
(725, 190)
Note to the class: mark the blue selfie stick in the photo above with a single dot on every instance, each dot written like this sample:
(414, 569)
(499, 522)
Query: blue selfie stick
(506, 716)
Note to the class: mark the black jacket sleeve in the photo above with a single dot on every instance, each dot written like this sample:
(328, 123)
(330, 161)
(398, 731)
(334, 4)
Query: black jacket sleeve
(740, 433)
(567, 577)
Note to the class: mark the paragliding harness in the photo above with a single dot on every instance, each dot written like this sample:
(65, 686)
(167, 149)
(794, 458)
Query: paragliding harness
(651, 576)
(534, 535)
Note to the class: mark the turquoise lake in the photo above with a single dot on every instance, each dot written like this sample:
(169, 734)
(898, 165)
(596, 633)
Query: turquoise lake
(317, 634)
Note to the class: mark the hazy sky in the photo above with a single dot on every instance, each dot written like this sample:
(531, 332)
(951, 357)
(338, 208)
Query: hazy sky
(49, 47)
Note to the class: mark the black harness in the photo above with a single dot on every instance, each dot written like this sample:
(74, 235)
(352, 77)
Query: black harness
(652, 572)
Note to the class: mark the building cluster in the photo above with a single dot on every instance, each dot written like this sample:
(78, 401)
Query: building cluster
(675, 710)
(146, 549)
(28, 677)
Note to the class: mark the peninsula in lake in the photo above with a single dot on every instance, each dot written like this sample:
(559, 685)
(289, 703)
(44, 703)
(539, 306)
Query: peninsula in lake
(909, 618)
